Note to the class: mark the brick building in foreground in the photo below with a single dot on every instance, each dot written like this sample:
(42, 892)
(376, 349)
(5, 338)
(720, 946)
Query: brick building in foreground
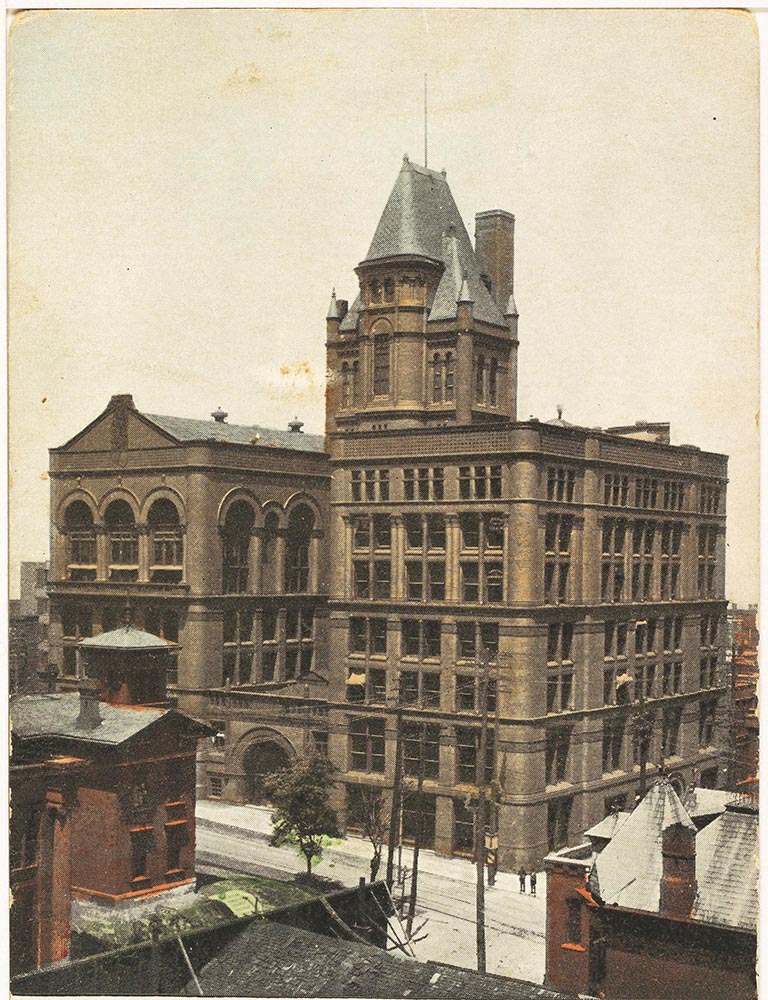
(102, 794)
(658, 904)
(332, 594)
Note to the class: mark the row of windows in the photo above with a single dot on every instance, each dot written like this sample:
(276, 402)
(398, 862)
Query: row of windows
(482, 582)
(478, 531)
(616, 492)
(421, 750)
(476, 482)
(614, 742)
(166, 553)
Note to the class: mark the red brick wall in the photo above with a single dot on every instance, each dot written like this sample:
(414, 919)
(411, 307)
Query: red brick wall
(567, 962)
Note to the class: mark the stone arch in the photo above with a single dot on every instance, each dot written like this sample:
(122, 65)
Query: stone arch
(164, 493)
(301, 497)
(86, 497)
(273, 507)
(244, 494)
(381, 327)
(120, 493)
(259, 752)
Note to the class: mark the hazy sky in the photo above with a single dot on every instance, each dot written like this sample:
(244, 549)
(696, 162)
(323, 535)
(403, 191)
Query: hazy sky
(187, 186)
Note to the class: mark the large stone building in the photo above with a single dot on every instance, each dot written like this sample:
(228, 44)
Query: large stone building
(335, 595)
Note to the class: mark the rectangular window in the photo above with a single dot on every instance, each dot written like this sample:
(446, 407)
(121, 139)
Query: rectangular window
(415, 583)
(361, 579)
(419, 812)
(357, 492)
(409, 484)
(558, 822)
(367, 745)
(465, 489)
(436, 578)
(409, 687)
(463, 828)
(383, 484)
(414, 531)
(557, 751)
(467, 749)
(421, 750)
(560, 484)
(430, 686)
(431, 640)
(381, 578)
(613, 742)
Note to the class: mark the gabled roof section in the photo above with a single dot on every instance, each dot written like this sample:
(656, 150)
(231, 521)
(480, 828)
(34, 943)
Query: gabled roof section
(55, 716)
(420, 212)
(628, 871)
(185, 429)
(726, 870)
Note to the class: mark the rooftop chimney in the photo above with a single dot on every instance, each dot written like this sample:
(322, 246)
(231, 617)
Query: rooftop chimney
(220, 416)
(495, 252)
(295, 426)
(678, 880)
(89, 717)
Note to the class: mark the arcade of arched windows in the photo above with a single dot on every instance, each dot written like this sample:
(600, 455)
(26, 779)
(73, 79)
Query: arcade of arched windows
(274, 549)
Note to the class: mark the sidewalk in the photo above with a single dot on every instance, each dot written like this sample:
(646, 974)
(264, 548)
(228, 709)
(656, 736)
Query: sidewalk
(256, 821)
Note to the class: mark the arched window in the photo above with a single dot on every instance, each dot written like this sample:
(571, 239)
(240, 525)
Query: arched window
(346, 385)
(493, 380)
(449, 378)
(437, 379)
(381, 364)
(166, 558)
(480, 380)
(122, 541)
(81, 542)
(236, 545)
(300, 525)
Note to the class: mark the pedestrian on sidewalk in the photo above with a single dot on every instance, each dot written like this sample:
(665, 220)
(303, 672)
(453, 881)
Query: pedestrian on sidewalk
(533, 883)
(521, 875)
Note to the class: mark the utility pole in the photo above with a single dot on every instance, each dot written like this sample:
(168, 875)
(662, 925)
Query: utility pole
(397, 794)
(643, 726)
(480, 818)
(417, 839)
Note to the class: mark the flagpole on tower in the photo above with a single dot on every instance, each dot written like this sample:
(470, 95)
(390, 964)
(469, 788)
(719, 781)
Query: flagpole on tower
(425, 121)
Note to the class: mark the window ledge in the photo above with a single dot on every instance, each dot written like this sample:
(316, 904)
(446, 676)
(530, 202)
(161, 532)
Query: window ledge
(573, 947)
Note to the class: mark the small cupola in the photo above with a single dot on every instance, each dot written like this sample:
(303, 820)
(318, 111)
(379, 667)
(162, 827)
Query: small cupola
(220, 416)
(295, 426)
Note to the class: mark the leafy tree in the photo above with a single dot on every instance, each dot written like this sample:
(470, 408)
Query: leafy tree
(302, 815)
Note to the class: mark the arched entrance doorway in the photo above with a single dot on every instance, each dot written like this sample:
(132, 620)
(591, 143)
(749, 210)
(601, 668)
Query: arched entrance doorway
(262, 759)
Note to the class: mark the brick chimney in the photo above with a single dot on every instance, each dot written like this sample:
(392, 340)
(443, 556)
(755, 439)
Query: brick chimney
(89, 717)
(678, 881)
(495, 252)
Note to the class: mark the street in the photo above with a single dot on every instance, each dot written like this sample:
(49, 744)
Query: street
(234, 838)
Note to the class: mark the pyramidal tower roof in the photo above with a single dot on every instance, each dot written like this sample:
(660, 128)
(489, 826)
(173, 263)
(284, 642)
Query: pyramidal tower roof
(421, 219)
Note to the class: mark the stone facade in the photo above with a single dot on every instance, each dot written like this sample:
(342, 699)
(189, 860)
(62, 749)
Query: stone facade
(216, 544)
(585, 566)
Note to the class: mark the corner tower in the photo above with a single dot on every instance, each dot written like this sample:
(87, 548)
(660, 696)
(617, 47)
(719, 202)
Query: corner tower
(431, 338)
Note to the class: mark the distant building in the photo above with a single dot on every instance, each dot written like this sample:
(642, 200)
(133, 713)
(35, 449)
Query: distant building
(330, 594)
(28, 630)
(102, 795)
(660, 903)
(743, 656)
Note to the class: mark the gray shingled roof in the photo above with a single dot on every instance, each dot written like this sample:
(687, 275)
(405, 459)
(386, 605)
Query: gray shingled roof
(606, 829)
(271, 959)
(700, 802)
(39, 715)
(417, 216)
(188, 429)
(726, 870)
(126, 637)
(628, 871)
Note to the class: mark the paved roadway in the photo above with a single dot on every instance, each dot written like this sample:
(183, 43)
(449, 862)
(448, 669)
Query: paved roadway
(234, 839)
